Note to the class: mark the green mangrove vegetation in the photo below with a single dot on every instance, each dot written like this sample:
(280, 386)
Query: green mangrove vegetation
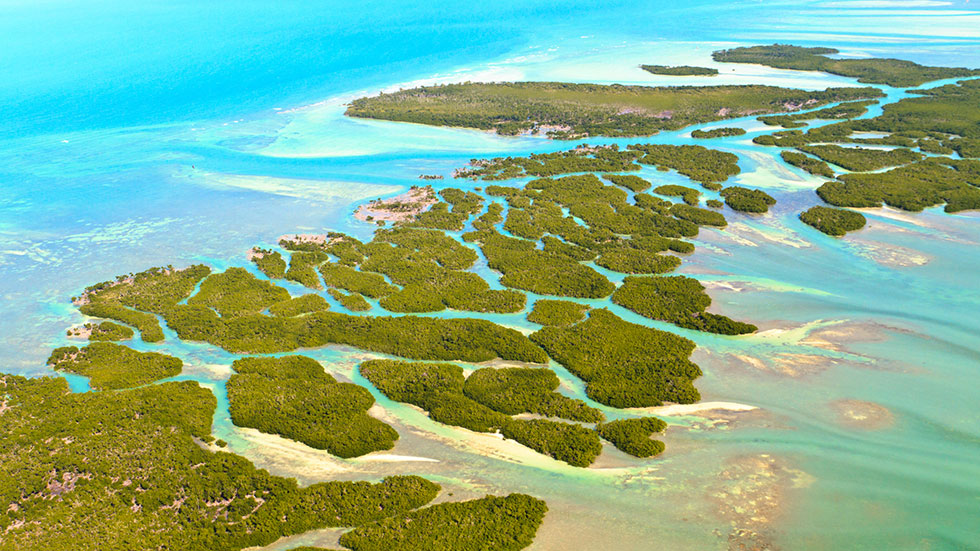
(516, 390)
(153, 291)
(624, 364)
(353, 280)
(439, 389)
(545, 272)
(235, 292)
(557, 312)
(861, 159)
(293, 397)
(439, 217)
(807, 163)
(575, 211)
(581, 159)
(104, 331)
(690, 196)
(831, 221)
(486, 524)
(354, 302)
(947, 114)
(632, 436)
(436, 388)
(297, 306)
(241, 327)
(571, 111)
(227, 312)
(110, 366)
(950, 113)
(710, 167)
(937, 120)
(893, 72)
(302, 268)
(126, 470)
(579, 218)
(654, 204)
(427, 264)
(847, 110)
(747, 200)
(408, 336)
(146, 324)
(723, 132)
(933, 181)
(679, 70)
(676, 299)
(698, 216)
(568, 442)
(269, 262)
(453, 289)
(463, 201)
(634, 258)
(629, 181)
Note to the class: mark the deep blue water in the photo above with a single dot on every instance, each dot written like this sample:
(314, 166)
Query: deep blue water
(104, 64)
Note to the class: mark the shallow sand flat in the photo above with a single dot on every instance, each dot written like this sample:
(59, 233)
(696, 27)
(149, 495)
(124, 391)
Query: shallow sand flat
(772, 234)
(492, 445)
(752, 493)
(890, 255)
(284, 456)
(314, 238)
(772, 173)
(321, 130)
(792, 365)
(394, 458)
(326, 538)
(79, 332)
(270, 451)
(413, 419)
(730, 237)
(320, 190)
(830, 335)
(728, 286)
(676, 410)
(795, 334)
(862, 415)
(735, 284)
(210, 370)
(421, 197)
(899, 215)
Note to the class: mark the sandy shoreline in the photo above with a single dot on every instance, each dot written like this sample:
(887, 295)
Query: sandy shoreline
(688, 409)
(401, 208)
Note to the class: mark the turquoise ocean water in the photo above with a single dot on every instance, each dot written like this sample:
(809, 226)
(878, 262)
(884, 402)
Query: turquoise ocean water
(142, 134)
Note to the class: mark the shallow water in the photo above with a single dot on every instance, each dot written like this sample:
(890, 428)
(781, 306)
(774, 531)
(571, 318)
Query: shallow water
(175, 133)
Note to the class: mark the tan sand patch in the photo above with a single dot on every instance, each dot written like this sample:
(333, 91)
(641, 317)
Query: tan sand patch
(890, 255)
(788, 364)
(82, 332)
(751, 494)
(676, 410)
(303, 238)
(834, 337)
(401, 208)
(858, 414)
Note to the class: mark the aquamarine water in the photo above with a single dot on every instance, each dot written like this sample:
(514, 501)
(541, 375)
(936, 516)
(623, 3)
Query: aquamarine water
(135, 135)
